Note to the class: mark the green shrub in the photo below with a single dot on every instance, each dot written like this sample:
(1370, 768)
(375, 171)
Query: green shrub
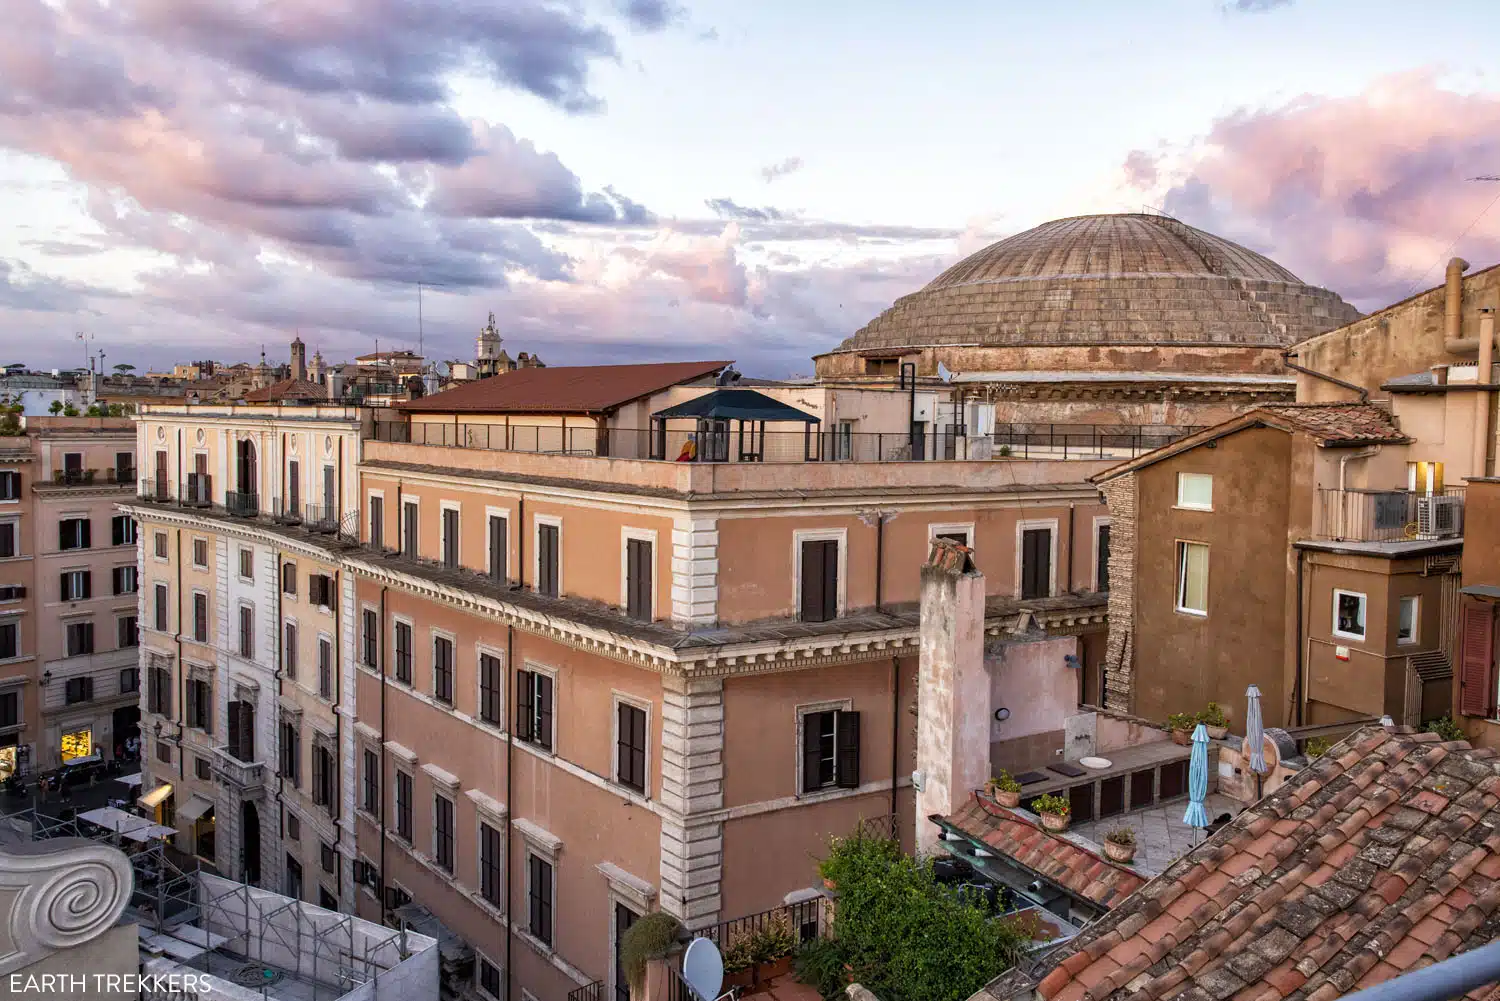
(652, 937)
(1213, 716)
(1121, 836)
(737, 957)
(1446, 728)
(1006, 782)
(1317, 747)
(1181, 721)
(1052, 804)
(772, 942)
(820, 965)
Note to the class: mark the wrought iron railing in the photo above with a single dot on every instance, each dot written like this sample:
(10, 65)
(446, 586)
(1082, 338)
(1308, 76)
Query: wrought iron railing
(803, 919)
(242, 504)
(315, 518)
(1389, 515)
(199, 491)
(157, 491)
(588, 992)
(321, 518)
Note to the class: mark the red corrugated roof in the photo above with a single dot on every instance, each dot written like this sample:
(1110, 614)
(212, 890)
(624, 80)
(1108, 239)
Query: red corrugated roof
(580, 389)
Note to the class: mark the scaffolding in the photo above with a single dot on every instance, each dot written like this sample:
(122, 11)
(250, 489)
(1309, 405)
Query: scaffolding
(191, 920)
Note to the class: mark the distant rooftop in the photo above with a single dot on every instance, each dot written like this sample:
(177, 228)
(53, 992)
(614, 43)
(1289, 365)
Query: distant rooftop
(582, 389)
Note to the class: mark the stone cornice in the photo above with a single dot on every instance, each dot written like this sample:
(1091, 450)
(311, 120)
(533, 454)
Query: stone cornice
(246, 530)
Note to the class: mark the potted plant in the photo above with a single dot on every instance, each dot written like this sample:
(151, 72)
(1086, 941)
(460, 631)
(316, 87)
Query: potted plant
(1119, 844)
(1181, 725)
(771, 950)
(1054, 810)
(1214, 720)
(654, 936)
(739, 969)
(1006, 790)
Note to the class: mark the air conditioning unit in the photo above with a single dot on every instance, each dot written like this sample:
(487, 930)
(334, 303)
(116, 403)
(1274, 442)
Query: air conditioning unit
(1439, 517)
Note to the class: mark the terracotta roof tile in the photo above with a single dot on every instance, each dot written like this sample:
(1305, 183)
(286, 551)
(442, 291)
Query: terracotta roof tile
(1400, 871)
(287, 389)
(579, 389)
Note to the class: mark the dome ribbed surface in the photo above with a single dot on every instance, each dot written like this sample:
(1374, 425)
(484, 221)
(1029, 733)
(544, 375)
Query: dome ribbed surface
(1109, 279)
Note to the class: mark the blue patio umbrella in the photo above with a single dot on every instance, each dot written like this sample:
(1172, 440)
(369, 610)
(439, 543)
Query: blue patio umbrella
(1255, 732)
(1196, 815)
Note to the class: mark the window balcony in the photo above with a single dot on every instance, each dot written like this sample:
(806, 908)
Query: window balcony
(1389, 515)
(241, 504)
(248, 778)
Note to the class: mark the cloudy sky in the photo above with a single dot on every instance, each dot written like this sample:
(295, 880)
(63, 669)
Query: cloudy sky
(642, 179)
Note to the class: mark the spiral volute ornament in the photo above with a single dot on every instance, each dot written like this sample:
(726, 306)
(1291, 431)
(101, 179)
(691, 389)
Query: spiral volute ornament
(71, 890)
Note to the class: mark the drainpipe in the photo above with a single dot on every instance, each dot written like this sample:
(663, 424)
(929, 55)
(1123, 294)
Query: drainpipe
(1297, 681)
(510, 932)
(1363, 453)
(380, 800)
(1070, 548)
(520, 583)
(181, 670)
(879, 559)
(1453, 304)
(1286, 359)
(1482, 399)
(895, 742)
(280, 647)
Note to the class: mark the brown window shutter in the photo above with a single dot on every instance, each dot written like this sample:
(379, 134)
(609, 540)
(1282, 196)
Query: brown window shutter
(1477, 697)
(524, 705)
(811, 737)
(848, 750)
(830, 581)
(812, 582)
(544, 711)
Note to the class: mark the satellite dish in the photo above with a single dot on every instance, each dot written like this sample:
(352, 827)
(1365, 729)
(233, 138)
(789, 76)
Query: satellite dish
(703, 969)
(943, 373)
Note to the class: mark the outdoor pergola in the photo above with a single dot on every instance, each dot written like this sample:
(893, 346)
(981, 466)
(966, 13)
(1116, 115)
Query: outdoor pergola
(713, 412)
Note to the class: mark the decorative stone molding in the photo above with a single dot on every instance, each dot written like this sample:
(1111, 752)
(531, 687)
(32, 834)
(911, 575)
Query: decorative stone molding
(695, 571)
(1119, 666)
(60, 894)
(692, 795)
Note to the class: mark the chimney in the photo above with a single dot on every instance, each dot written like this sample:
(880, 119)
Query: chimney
(953, 688)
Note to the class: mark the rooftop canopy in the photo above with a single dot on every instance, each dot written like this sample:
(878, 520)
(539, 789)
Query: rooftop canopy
(736, 405)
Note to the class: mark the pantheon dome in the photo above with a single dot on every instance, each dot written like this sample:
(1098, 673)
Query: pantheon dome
(1133, 307)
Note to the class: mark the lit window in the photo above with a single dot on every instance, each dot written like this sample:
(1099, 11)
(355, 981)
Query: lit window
(1406, 625)
(1195, 491)
(1349, 615)
(1192, 578)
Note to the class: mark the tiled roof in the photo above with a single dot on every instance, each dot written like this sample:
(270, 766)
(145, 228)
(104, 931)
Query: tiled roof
(287, 389)
(1344, 423)
(1380, 857)
(1058, 859)
(579, 389)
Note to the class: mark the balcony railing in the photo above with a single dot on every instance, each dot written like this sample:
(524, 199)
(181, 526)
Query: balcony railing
(242, 504)
(312, 517)
(199, 491)
(588, 992)
(245, 776)
(731, 443)
(1389, 515)
(157, 491)
(321, 519)
(74, 477)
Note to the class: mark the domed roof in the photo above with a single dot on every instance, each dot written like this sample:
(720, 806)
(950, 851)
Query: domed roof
(1109, 279)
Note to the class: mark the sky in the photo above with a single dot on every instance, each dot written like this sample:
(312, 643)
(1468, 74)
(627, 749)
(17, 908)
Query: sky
(633, 180)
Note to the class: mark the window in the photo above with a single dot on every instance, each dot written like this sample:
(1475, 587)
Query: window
(79, 690)
(247, 564)
(1036, 563)
(450, 537)
(12, 592)
(1101, 558)
(163, 752)
(159, 691)
(203, 769)
(127, 632)
(403, 652)
(199, 705)
(631, 745)
(819, 600)
(370, 651)
(325, 668)
(73, 467)
(10, 708)
(290, 765)
(1406, 623)
(247, 631)
(844, 442)
(489, 978)
(289, 650)
(200, 617)
(73, 533)
(80, 637)
(499, 537)
(377, 521)
(293, 827)
(539, 895)
(409, 528)
(1195, 491)
(293, 876)
(547, 560)
(403, 806)
(320, 590)
(124, 467)
(326, 900)
(442, 669)
(638, 566)
(159, 545)
(200, 554)
(124, 580)
(328, 857)
(490, 696)
(1192, 578)
(293, 488)
(8, 537)
(10, 486)
(289, 578)
(830, 750)
(491, 864)
(130, 680)
(10, 640)
(442, 832)
(323, 777)
(534, 708)
(242, 730)
(159, 608)
(372, 783)
(122, 530)
(76, 585)
(1349, 614)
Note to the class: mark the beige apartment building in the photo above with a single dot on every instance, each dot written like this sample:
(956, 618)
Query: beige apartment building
(68, 637)
(573, 682)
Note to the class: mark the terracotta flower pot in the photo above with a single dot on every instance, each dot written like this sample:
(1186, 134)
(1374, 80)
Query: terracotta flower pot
(827, 883)
(1217, 732)
(1010, 799)
(775, 968)
(1119, 853)
(740, 978)
(1057, 822)
(1182, 737)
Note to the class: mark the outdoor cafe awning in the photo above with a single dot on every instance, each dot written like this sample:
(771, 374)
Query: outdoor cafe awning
(195, 807)
(125, 824)
(736, 405)
(154, 798)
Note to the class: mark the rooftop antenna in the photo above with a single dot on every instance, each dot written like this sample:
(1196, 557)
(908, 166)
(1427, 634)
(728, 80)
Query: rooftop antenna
(421, 352)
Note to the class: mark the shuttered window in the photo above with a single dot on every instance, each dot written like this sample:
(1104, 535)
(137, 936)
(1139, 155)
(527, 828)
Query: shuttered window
(1101, 557)
(491, 863)
(159, 608)
(1477, 695)
(631, 763)
(289, 649)
(534, 708)
(76, 585)
(80, 638)
(1036, 563)
(409, 532)
(499, 535)
(242, 730)
(638, 579)
(490, 696)
(372, 783)
(325, 668)
(377, 522)
(403, 653)
(371, 637)
(450, 537)
(442, 832)
(73, 533)
(540, 899)
(819, 601)
(403, 806)
(200, 618)
(291, 753)
(830, 750)
(442, 669)
(247, 632)
(546, 560)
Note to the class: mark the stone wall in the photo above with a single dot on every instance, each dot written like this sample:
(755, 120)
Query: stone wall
(1119, 656)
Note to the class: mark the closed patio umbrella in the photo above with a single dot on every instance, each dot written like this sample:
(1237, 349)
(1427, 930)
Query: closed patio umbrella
(1255, 733)
(1196, 815)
